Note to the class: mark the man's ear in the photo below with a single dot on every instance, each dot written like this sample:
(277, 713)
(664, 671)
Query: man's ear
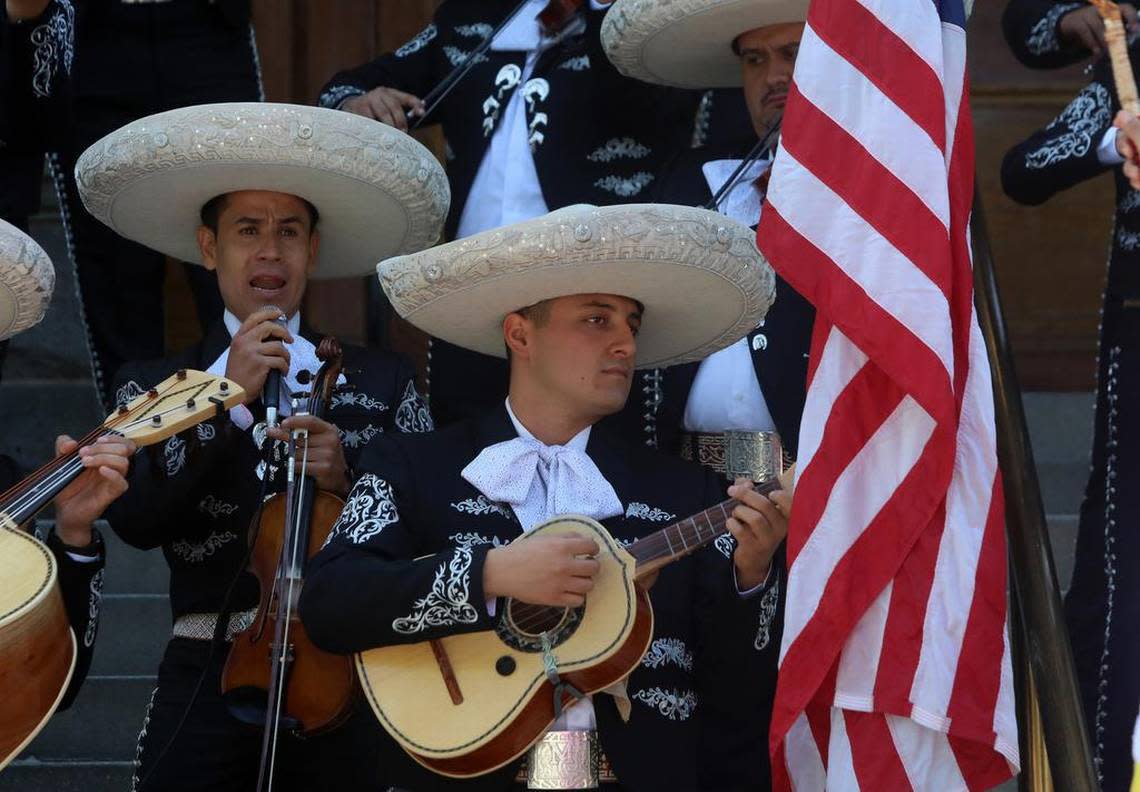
(314, 246)
(208, 247)
(516, 334)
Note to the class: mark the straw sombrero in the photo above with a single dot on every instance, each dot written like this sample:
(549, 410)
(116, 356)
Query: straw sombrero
(26, 281)
(687, 43)
(378, 191)
(698, 274)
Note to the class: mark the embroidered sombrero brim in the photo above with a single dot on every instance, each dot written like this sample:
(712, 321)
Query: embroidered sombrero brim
(698, 274)
(27, 279)
(687, 43)
(378, 191)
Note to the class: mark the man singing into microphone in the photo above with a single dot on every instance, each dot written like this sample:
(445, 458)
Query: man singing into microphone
(267, 196)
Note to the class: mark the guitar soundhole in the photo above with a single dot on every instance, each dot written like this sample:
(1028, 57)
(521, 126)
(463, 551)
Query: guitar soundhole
(521, 625)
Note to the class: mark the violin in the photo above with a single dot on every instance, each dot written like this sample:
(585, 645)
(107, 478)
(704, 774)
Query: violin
(274, 675)
(553, 18)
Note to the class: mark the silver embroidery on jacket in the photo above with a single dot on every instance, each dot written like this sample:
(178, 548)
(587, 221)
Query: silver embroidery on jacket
(446, 604)
(371, 507)
(357, 438)
(205, 432)
(1089, 112)
(768, 605)
(174, 453)
(94, 601)
(458, 56)
(479, 29)
(481, 506)
(52, 40)
(128, 392)
(668, 650)
(536, 90)
(335, 96)
(412, 415)
(1127, 240)
(673, 704)
(580, 63)
(357, 399)
(422, 39)
(197, 552)
(214, 508)
(643, 511)
(508, 77)
(726, 544)
(617, 148)
(1130, 202)
(625, 187)
(1043, 36)
(473, 539)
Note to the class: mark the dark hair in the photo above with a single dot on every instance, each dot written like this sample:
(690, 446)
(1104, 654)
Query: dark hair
(539, 313)
(213, 208)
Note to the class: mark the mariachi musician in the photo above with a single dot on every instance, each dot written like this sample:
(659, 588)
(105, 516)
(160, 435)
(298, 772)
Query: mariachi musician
(26, 282)
(267, 196)
(730, 410)
(1103, 600)
(541, 121)
(425, 544)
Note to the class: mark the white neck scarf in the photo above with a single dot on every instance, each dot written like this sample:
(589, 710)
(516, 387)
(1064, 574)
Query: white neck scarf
(541, 481)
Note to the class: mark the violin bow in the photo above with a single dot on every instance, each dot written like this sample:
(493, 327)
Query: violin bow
(763, 146)
(440, 91)
(1117, 41)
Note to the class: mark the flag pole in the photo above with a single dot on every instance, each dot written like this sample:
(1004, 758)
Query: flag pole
(1043, 635)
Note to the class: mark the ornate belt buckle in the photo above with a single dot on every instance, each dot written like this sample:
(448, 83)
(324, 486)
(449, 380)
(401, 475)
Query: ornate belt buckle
(758, 456)
(564, 760)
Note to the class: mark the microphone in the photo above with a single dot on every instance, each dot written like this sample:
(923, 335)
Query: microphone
(271, 391)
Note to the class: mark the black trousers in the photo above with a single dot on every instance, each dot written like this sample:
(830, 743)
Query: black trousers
(213, 752)
(1102, 606)
(132, 61)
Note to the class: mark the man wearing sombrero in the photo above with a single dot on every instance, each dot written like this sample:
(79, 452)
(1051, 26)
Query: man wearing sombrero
(268, 196)
(576, 300)
(725, 408)
(27, 279)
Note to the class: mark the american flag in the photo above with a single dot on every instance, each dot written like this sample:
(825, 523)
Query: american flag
(894, 667)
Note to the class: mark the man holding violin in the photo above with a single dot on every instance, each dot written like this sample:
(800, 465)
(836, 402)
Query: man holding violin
(268, 196)
(540, 121)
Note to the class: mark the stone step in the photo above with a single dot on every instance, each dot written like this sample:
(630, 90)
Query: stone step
(36, 411)
(28, 776)
(102, 725)
(133, 631)
(1060, 430)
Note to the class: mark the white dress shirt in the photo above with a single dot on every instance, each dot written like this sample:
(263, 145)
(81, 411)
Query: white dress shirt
(555, 480)
(725, 394)
(302, 357)
(506, 188)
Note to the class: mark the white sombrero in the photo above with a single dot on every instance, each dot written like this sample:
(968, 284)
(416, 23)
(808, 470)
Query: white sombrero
(378, 191)
(687, 43)
(26, 281)
(698, 274)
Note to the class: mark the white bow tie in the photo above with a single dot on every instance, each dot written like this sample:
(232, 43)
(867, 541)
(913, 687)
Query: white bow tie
(540, 481)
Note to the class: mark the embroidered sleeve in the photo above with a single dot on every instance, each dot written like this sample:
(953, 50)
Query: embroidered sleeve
(387, 575)
(412, 415)
(1064, 152)
(53, 48)
(1031, 30)
(1042, 38)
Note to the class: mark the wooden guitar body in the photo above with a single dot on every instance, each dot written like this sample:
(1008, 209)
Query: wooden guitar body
(505, 699)
(37, 647)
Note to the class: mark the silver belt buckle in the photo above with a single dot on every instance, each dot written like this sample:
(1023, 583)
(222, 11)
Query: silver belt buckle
(758, 456)
(564, 760)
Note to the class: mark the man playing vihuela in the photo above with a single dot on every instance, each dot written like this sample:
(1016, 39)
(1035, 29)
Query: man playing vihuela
(733, 410)
(268, 196)
(440, 540)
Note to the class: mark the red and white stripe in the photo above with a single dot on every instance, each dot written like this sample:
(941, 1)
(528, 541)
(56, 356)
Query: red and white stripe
(894, 667)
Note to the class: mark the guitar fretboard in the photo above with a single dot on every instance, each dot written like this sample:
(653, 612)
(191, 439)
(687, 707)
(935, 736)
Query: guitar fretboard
(684, 537)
